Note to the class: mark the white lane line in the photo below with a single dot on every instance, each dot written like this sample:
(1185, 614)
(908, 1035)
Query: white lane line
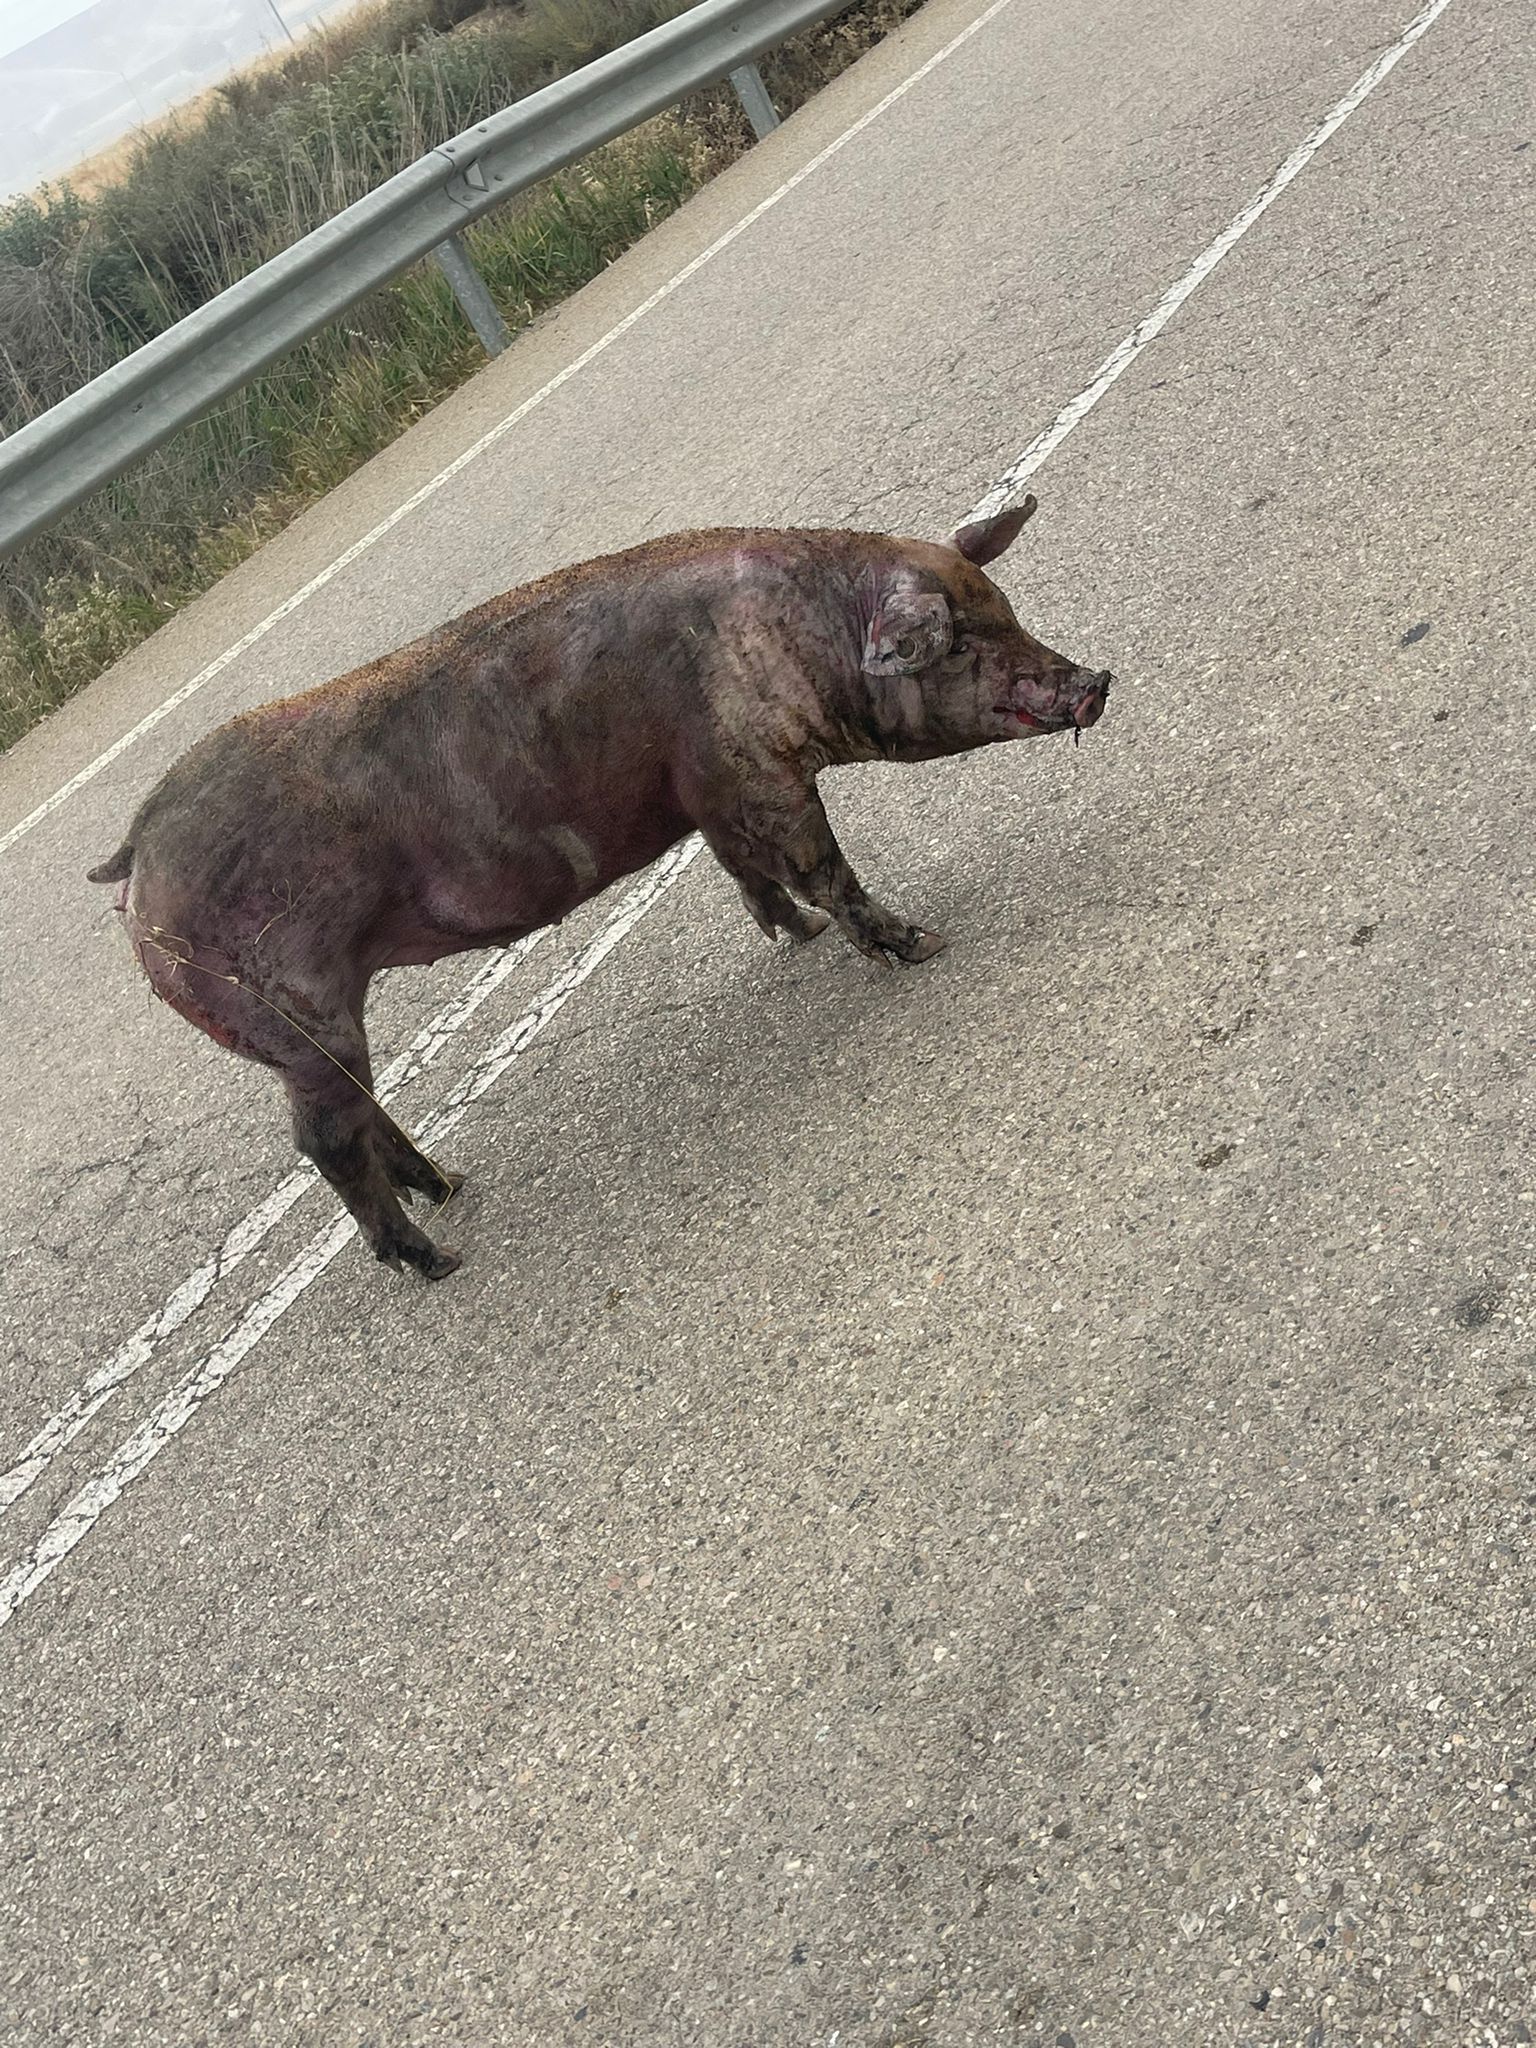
(67, 1421)
(1119, 360)
(487, 440)
(80, 1515)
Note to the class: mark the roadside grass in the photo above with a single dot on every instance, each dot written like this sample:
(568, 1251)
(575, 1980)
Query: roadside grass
(86, 279)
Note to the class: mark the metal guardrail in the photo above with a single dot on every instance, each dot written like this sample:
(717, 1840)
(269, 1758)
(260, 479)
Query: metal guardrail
(100, 430)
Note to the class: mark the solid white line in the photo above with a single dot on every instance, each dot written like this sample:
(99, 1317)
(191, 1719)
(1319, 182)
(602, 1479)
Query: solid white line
(66, 1423)
(487, 440)
(92, 1501)
(165, 1422)
(1119, 360)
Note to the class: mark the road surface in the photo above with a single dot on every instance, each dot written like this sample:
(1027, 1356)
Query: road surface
(983, 1503)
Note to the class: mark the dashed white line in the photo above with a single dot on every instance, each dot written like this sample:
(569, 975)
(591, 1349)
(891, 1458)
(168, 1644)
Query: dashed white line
(170, 1416)
(67, 1421)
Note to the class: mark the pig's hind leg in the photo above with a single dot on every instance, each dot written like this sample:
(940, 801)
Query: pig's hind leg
(410, 1169)
(311, 1032)
(364, 1155)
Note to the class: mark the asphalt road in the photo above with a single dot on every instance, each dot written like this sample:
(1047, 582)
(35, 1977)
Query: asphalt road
(982, 1503)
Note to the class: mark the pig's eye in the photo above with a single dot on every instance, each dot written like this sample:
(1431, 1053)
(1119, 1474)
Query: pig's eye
(960, 657)
(906, 648)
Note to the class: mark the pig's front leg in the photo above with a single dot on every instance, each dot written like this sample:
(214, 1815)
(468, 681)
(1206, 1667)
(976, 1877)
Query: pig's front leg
(774, 909)
(793, 844)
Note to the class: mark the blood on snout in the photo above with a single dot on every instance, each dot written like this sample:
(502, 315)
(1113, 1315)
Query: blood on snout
(1089, 708)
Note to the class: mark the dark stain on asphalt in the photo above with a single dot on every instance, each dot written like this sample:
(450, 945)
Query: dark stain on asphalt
(1223, 1034)
(1476, 1310)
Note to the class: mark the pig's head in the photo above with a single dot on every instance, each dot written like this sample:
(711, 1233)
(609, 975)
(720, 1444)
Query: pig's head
(946, 664)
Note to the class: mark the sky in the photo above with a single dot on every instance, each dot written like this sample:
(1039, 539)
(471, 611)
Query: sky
(77, 75)
(22, 20)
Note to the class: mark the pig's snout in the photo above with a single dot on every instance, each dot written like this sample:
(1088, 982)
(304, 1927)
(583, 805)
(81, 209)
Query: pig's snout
(1065, 699)
(1091, 697)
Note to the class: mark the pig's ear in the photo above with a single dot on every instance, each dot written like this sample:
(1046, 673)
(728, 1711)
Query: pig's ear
(911, 630)
(988, 538)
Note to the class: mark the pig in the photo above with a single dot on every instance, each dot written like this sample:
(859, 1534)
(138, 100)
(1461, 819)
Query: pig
(485, 780)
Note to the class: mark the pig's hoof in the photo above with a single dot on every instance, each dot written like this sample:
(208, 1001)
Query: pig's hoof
(919, 946)
(431, 1261)
(811, 926)
(413, 1173)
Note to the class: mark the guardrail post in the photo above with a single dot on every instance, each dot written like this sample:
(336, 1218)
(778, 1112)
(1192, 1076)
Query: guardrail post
(470, 290)
(753, 94)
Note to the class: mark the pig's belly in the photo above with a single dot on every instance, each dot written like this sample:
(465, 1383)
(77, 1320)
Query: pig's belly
(457, 906)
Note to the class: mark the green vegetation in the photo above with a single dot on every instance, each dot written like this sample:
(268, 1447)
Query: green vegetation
(85, 280)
